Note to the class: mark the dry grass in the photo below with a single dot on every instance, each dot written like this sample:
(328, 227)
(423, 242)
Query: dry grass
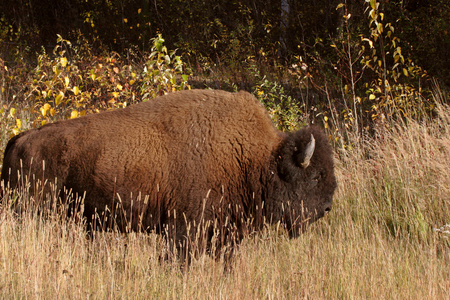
(379, 242)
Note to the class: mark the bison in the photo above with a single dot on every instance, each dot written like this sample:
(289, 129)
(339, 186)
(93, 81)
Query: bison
(190, 157)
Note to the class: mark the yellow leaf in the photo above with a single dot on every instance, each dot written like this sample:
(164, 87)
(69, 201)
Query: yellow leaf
(372, 97)
(43, 122)
(325, 118)
(139, 11)
(73, 114)
(125, 20)
(119, 87)
(405, 72)
(12, 112)
(380, 27)
(115, 94)
(369, 41)
(131, 82)
(44, 109)
(75, 90)
(66, 81)
(18, 123)
(59, 98)
(52, 111)
(63, 61)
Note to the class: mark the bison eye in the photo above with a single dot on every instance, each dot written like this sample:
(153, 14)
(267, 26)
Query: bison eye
(315, 178)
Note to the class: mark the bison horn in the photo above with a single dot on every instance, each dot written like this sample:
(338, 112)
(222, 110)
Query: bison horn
(309, 151)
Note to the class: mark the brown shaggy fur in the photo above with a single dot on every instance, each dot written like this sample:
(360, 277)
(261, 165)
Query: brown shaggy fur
(198, 155)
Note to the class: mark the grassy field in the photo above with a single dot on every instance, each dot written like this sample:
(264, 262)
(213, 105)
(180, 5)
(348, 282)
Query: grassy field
(387, 237)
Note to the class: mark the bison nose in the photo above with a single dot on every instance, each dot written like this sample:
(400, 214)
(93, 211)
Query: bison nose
(327, 207)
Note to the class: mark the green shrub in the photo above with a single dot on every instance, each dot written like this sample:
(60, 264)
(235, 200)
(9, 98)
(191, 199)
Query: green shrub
(71, 82)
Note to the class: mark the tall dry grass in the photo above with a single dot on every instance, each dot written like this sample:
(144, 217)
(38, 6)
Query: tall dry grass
(384, 239)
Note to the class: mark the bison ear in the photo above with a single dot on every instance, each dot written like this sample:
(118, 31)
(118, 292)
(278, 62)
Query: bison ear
(292, 158)
(309, 151)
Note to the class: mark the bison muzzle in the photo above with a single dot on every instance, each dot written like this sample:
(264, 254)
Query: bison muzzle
(190, 157)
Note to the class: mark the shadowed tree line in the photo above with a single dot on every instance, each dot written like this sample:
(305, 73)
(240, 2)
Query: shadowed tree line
(225, 31)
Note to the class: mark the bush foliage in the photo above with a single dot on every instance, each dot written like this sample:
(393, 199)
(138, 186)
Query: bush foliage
(72, 82)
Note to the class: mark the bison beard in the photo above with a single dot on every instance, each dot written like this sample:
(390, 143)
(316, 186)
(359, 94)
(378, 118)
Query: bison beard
(183, 160)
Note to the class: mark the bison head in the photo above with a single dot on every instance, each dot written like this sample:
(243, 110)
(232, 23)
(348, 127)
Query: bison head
(304, 179)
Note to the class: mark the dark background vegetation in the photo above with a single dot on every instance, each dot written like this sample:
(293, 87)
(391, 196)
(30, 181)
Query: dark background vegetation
(213, 29)
(357, 61)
